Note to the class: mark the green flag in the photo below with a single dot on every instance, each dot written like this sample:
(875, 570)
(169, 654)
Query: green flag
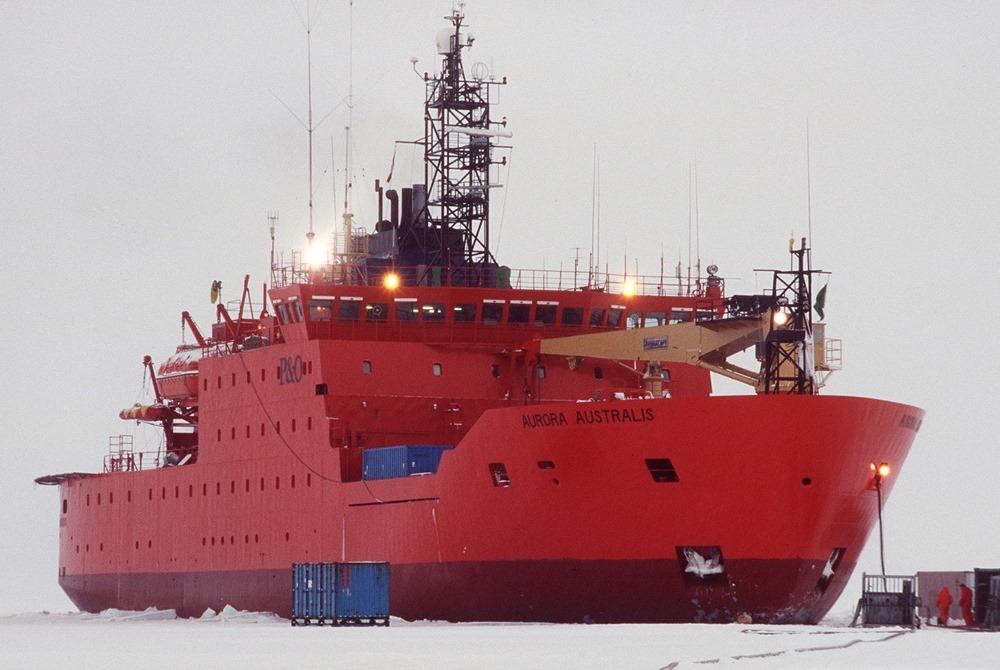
(820, 301)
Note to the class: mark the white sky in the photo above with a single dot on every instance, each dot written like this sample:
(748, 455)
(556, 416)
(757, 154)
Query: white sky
(142, 143)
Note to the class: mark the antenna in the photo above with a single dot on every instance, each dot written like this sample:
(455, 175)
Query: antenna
(593, 218)
(309, 127)
(272, 221)
(690, 215)
(697, 233)
(809, 213)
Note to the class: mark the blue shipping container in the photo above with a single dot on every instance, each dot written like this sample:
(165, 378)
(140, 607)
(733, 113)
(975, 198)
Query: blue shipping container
(401, 461)
(313, 591)
(340, 593)
(362, 591)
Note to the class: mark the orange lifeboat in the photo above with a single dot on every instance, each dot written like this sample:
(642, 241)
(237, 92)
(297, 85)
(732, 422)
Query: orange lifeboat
(139, 412)
(178, 376)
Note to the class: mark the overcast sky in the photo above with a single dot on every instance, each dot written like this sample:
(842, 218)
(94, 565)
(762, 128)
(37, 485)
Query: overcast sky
(141, 144)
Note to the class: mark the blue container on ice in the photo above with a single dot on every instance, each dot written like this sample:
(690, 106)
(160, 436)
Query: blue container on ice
(362, 592)
(313, 591)
(340, 594)
(401, 461)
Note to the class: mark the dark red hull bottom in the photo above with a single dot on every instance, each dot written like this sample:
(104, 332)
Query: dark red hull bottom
(569, 591)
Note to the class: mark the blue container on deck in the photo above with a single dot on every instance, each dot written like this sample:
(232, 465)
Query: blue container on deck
(340, 594)
(401, 461)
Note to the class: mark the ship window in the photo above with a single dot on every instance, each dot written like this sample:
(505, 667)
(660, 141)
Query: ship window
(495, 370)
(246, 539)
(65, 505)
(128, 498)
(190, 490)
(433, 312)
(218, 488)
(150, 494)
(293, 425)
(203, 541)
(680, 315)
(376, 311)
(437, 369)
(492, 313)
(248, 431)
(572, 316)
(111, 497)
(406, 310)
(232, 433)
(177, 492)
(498, 471)
(247, 486)
(545, 315)
(213, 540)
(218, 435)
(204, 384)
(596, 318)
(296, 310)
(309, 479)
(204, 488)
(261, 483)
(518, 313)
(232, 486)
(350, 310)
(287, 536)
(282, 313)
(248, 376)
(634, 320)
(598, 373)
(654, 319)
(465, 313)
(309, 423)
(546, 465)
(256, 538)
(277, 483)
(98, 498)
(614, 317)
(277, 426)
(320, 310)
(321, 389)
(541, 372)
(662, 470)
(262, 430)
(233, 380)
(366, 367)
(218, 381)
(263, 374)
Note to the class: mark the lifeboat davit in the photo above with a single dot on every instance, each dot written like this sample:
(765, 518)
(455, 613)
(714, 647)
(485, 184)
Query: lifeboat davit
(178, 376)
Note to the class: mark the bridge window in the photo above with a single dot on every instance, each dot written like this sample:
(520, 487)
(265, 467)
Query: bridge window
(596, 318)
(545, 314)
(615, 316)
(433, 312)
(296, 310)
(492, 312)
(366, 367)
(680, 315)
(464, 313)
(634, 320)
(320, 309)
(654, 319)
(376, 311)
(437, 369)
(541, 372)
(282, 313)
(65, 505)
(350, 309)
(406, 309)
(519, 311)
(572, 316)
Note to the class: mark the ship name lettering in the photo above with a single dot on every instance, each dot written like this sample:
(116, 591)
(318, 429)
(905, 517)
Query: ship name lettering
(290, 370)
(545, 420)
(601, 416)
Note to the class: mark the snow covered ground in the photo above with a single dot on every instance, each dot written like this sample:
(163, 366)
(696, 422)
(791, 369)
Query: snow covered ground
(154, 639)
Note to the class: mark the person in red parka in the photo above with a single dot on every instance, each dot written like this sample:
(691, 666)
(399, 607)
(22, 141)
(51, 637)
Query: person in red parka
(944, 601)
(965, 603)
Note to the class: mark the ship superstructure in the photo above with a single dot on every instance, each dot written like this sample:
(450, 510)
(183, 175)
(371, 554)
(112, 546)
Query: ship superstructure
(518, 445)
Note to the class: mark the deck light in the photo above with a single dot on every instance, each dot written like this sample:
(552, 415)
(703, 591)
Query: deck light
(780, 318)
(628, 288)
(391, 281)
(883, 470)
(315, 254)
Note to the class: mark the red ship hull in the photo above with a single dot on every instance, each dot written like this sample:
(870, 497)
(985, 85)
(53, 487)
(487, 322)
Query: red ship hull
(581, 533)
